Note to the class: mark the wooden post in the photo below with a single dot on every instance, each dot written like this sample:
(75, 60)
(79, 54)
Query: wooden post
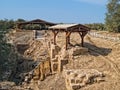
(55, 34)
(54, 38)
(82, 40)
(82, 35)
(67, 39)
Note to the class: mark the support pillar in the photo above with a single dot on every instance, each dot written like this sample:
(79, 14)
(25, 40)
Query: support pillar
(82, 35)
(67, 39)
(55, 34)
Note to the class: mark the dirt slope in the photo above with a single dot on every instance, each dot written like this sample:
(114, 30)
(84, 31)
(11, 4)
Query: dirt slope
(103, 55)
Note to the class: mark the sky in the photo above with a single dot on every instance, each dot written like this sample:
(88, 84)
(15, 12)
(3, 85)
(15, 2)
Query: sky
(58, 11)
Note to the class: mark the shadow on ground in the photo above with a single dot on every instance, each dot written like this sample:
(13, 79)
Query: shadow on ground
(24, 66)
(96, 51)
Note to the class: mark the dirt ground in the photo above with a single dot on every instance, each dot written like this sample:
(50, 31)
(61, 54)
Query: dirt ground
(103, 55)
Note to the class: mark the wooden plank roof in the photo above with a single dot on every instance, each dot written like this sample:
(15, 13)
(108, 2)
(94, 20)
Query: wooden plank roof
(69, 27)
(62, 26)
(37, 21)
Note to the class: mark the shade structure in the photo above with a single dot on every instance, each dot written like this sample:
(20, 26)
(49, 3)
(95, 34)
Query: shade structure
(36, 21)
(68, 29)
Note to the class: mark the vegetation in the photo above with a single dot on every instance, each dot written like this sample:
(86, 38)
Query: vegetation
(113, 16)
(96, 26)
(7, 51)
(8, 54)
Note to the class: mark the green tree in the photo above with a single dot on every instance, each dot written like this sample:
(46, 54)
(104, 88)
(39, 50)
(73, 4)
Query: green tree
(96, 26)
(20, 20)
(113, 16)
(8, 53)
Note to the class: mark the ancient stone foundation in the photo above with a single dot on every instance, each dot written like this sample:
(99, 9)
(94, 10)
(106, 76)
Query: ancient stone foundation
(55, 63)
(55, 49)
(42, 70)
(76, 79)
(61, 56)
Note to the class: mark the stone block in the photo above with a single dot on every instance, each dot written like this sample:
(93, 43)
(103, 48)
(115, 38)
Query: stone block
(78, 81)
(75, 79)
(72, 80)
(75, 87)
(36, 73)
(54, 50)
(54, 67)
(78, 51)
(42, 70)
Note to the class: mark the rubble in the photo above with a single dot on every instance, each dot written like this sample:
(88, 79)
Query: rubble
(47, 63)
(19, 36)
(78, 78)
(6, 85)
(42, 70)
(38, 51)
(55, 49)
(59, 57)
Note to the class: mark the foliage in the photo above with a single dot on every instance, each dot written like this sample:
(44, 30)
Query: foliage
(96, 26)
(6, 24)
(20, 20)
(7, 51)
(113, 16)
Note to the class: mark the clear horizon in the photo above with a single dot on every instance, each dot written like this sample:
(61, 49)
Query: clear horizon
(58, 11)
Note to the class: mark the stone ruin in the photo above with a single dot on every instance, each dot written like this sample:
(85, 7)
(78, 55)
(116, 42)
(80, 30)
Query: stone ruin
(61, 56)
(76, 79)
(42, 70)
(58, 58)
(49, 64)
(53, 62)
(75, 51)
(50, 59)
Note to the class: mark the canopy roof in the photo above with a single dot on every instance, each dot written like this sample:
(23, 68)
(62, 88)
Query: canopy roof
(69, 27)
(37, 21)
(62, 26)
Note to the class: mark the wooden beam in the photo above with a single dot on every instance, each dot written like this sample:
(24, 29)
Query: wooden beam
(55, 34)
(82, 35)
(68, 33)
(66, 40)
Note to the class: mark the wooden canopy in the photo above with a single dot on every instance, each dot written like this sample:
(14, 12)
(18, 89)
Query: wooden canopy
(36, 21)
(68, 29)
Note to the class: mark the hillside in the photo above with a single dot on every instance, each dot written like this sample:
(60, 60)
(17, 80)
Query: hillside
(103, 56)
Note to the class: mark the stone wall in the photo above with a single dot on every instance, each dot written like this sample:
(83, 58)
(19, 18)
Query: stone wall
(60, 57)
(42, 70)
(107, 37)
(54, 50)
(76, 79)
